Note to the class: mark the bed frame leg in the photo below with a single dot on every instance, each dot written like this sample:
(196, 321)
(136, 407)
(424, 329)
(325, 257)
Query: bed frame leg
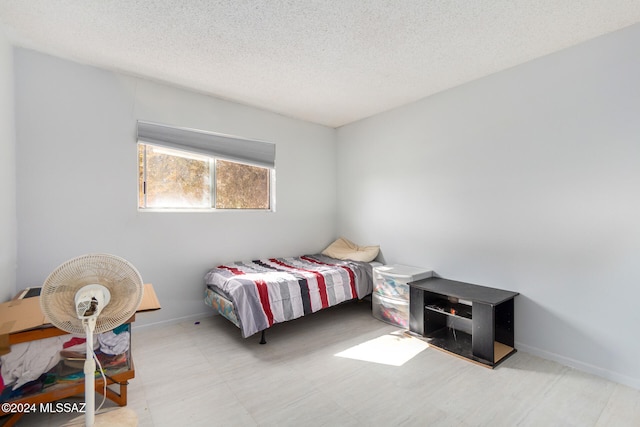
(262, 340)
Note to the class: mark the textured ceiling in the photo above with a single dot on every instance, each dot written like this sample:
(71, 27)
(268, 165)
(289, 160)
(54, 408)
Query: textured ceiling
(325, 61)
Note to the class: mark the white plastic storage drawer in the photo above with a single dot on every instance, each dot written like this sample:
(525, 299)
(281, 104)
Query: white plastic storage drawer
(391, 280)
(393, 311)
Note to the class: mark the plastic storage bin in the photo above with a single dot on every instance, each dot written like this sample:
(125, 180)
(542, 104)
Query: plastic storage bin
(393, 311)
(390, 300)
(392, 280)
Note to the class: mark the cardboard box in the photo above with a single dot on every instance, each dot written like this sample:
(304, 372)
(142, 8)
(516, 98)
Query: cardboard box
(149, 299)
(20, 315)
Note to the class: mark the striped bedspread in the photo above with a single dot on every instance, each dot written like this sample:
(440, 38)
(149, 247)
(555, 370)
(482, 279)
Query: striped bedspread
(274, 290)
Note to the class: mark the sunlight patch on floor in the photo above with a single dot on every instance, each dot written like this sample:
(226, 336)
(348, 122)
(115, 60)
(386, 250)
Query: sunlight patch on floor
(393, 349)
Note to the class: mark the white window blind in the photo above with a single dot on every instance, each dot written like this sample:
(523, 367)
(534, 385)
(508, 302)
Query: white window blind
(252, 152)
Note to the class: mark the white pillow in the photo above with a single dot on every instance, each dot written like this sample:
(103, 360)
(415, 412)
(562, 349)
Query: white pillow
(345, 249)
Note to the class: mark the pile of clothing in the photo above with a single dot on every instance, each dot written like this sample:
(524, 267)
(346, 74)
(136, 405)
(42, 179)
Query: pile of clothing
(34, 365)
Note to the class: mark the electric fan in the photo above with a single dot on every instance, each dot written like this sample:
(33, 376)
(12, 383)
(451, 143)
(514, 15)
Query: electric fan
(88, 295)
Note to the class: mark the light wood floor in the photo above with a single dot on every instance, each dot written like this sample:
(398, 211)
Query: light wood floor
(205, 374)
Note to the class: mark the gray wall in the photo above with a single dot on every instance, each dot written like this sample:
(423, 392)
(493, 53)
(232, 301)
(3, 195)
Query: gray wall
(77, 181)
(8, 251)
(526, 180)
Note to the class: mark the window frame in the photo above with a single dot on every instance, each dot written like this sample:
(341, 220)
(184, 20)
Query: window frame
(212, 183)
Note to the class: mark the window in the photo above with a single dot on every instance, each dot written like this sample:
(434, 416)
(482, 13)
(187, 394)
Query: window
(186, 175)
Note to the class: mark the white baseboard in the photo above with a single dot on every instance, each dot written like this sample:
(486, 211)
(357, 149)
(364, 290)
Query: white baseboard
(175, 321)
(581, 366)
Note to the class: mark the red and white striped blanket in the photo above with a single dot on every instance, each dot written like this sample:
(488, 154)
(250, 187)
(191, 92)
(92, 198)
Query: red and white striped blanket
(275, 290)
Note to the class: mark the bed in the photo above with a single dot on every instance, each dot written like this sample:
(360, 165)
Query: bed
(255, 295)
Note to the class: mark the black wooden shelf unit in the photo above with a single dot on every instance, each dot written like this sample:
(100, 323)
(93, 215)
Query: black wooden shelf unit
(471, 321)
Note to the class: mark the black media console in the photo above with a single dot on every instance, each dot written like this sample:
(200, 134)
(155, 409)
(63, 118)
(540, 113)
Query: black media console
(471, 321)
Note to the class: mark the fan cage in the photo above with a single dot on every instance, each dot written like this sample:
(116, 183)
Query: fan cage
(120, 277)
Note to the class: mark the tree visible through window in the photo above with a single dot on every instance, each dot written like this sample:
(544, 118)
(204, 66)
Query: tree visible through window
(173, 179)
(240, 186)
